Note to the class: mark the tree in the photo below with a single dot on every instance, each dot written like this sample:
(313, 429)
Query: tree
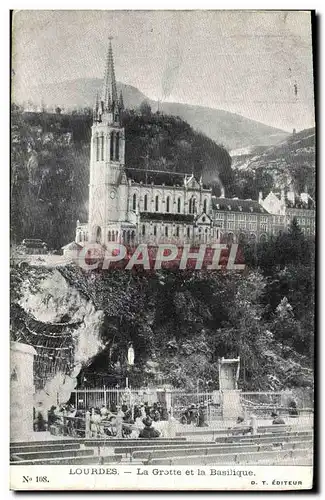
(145, 108)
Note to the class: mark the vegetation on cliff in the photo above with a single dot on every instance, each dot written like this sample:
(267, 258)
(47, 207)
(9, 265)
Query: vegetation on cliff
(180, 323)
(50, 165)
(289, 162)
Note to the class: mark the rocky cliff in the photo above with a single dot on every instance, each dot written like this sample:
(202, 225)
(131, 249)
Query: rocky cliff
(179, 324)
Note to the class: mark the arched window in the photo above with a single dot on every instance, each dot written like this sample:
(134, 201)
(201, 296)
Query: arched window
(230, 238)
(179, 205)
(109, 236)
(192, 206)
(97, 147)
(113, 235)
(145, 202)
(116, 236)
(102, 147)
(155, 230)
(132, 236)
(143, 230)
(98, 235)
(157, 203)
(188, 232)
(242, 238)
(263, 238)
(124, 234)
(167, 204)
(79, 237)
(128, 235)
(177, 231)
(205, 205)
(166, 230)
(134, 202)
(117, 146)
(111, 146)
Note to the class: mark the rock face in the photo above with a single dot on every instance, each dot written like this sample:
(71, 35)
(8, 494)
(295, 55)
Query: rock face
(63, 327)
(292, 161)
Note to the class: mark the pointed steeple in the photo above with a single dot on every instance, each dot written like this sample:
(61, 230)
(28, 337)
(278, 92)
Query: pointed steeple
(109, 94)
(121, 102)
(96, 108)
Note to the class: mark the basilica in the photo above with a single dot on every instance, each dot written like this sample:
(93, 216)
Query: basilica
(131, 206)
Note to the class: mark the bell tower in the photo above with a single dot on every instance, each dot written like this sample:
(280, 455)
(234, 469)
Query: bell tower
(107, 156)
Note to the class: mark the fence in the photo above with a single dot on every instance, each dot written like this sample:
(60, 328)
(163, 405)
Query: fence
(264, 403)
(110, 396)
(260, 403)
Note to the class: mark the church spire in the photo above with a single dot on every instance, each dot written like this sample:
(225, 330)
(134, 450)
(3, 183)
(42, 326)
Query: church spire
(109, 94)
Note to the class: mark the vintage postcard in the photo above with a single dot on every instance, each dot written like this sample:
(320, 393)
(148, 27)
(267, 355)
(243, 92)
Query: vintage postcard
(162, 250)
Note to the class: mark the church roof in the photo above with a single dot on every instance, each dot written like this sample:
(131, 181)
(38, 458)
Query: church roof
(237, 205)
(156, 177)
(71, 246)
(167, 217)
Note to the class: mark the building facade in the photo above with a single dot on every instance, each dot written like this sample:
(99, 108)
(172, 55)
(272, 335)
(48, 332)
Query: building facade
(287, 205)
(131, 206)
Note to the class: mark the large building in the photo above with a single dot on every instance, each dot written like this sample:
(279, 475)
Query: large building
(131, 206)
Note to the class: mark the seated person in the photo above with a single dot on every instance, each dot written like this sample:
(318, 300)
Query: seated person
(148, 432)
(104, 411)
(277, 419)
(201, 417)
(51, 416)
(241, 427)
(110, 427)
(80, 424)
(95, 421)
(127, 425)
(293, 412)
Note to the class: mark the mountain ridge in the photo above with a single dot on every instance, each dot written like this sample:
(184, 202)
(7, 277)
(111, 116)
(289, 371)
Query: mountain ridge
(224, 127)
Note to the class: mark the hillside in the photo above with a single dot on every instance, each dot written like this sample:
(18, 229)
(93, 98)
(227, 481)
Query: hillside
(179, 324)
(292, 161)
(231, 130)
(50, 165)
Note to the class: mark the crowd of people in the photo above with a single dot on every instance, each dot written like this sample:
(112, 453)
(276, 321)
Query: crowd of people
(125, 420)
(138, 420)
(194, 414)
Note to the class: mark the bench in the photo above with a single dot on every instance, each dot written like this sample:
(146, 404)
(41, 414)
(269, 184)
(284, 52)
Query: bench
(146, 455)
(130, 442)
(53, 454)
(273, 457)
(45, 447)
(124, 450)
(84, 460)
(228, 431)
(47, 442)
(264, 437)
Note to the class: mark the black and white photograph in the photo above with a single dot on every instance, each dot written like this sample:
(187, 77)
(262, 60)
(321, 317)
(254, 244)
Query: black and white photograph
(162, 250)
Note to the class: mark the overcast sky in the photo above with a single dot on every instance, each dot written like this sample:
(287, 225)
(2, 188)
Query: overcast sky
(258, 64)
